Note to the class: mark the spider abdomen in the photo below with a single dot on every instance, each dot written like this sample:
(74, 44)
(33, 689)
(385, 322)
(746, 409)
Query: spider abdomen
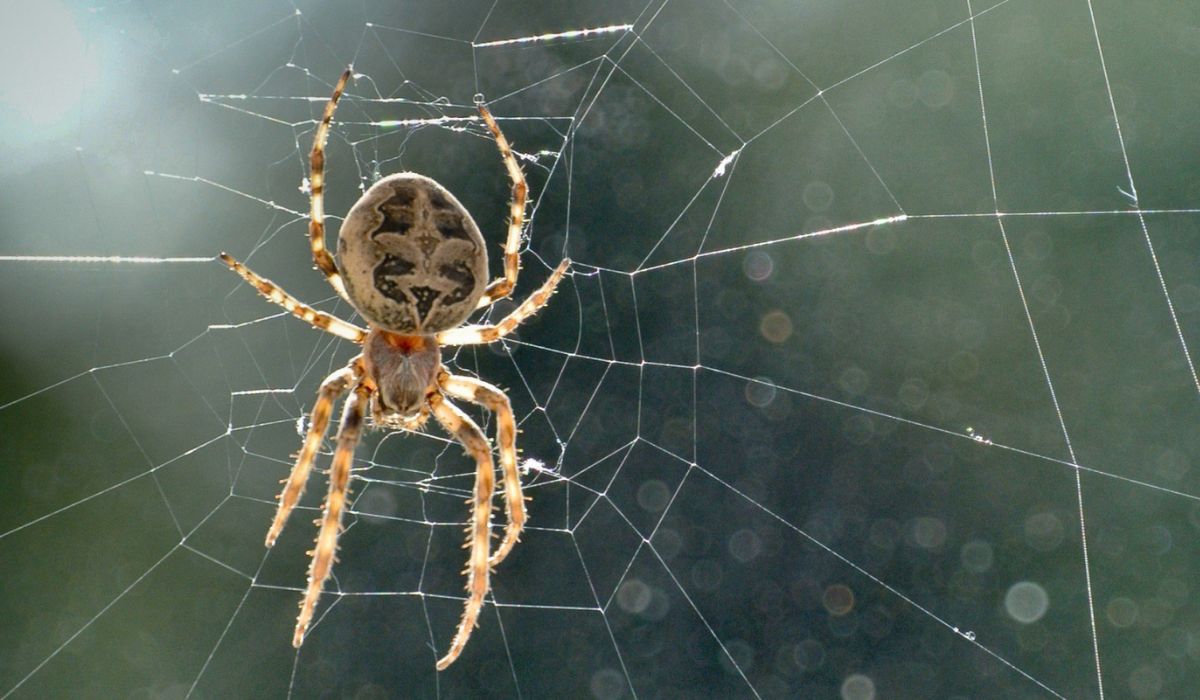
(412, 257)
(404, 369)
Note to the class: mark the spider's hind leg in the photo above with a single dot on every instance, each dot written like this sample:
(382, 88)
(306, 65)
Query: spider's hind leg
(503, 286)
(316, 183)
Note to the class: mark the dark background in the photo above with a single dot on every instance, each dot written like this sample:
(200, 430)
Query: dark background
(833, 465)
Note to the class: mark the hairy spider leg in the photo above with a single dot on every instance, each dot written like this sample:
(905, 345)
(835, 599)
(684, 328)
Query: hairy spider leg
(502, 287)
(276, 295)
(465, 430)
(316, 183)
(483, 394)
(335, 504)
(334, 386)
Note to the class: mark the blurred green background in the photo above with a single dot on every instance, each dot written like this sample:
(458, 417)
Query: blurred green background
(787, 452)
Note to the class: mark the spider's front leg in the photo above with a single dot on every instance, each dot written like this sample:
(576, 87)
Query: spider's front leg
(483, 394)
(335, 505)
(479, 532)
(334, 386)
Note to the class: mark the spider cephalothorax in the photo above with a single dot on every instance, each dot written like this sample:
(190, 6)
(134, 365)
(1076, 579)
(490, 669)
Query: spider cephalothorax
(404, 368)
(413, 264)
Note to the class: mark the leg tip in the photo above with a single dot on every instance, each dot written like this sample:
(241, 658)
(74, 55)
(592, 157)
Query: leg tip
(298, 639)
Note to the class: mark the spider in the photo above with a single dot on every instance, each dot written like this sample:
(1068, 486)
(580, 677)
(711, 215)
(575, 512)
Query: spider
(412, 263)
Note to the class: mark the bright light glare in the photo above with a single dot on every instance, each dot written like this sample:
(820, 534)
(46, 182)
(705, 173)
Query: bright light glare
(44, 59)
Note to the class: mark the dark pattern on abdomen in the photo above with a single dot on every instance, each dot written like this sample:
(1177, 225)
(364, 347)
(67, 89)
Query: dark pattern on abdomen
(392, 266)
(422, 221)
(397, 213)
(425, 297)
(461, 275)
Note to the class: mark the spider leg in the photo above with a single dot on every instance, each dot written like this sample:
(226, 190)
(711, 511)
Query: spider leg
(334, 386)
(468, 433)
(478, 335)
(502, 287)
(316, 182)
(335, 504)
(493, 399)
(275, 294)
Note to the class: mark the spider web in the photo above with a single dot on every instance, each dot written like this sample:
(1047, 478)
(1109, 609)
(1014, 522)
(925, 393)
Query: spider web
(877, 310)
